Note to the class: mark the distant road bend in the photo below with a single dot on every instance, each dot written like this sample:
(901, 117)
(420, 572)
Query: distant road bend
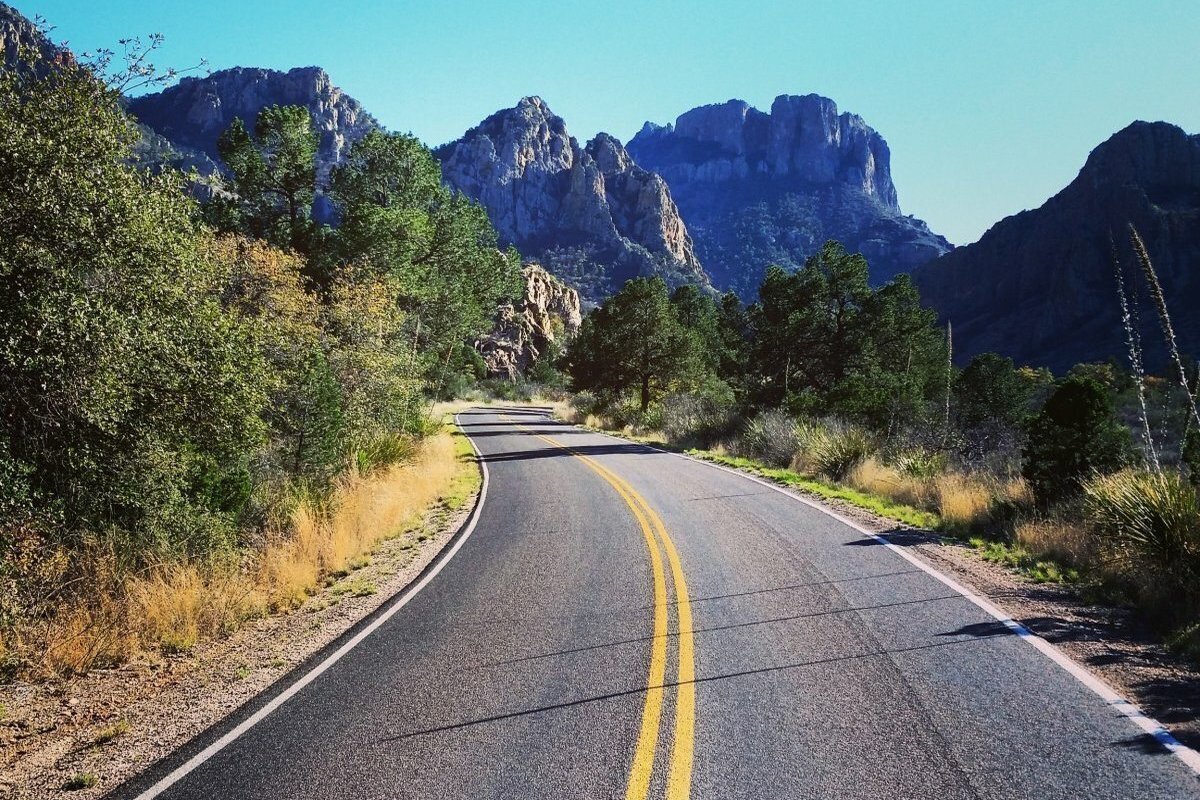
(620, 622)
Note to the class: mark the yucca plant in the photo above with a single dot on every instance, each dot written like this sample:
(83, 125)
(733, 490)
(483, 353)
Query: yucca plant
(839, 448)
(1164, 318)
(1148, 520)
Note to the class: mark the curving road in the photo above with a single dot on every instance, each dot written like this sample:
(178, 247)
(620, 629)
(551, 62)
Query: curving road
(545, 660)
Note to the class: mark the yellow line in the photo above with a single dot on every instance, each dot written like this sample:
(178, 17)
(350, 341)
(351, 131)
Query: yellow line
(643, 757)
(679, 777)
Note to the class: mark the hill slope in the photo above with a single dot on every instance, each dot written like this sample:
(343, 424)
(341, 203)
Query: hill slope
(590, 214)
(1039, 285)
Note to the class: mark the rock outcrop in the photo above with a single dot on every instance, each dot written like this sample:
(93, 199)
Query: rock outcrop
(758, 189)
(1039, 286)
(590, 214)
(549, 312)
(22, 43)
(196, 111)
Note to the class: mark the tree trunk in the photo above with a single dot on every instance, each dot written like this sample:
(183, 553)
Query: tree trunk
(645, 392)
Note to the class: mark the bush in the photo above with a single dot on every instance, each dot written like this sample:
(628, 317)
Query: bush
(835, 449)
(772, 437)
(1075, 435)
(1150, 520)
(698, 419)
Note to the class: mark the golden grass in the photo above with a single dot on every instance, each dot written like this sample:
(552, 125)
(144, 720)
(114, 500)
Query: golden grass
(1070, 543)
(365, 510)
(874, 477)
(171, 607)
(963, 500)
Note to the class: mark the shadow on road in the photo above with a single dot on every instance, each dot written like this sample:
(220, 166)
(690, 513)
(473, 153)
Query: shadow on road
(541, 709)
(584, 450)
(530, 432)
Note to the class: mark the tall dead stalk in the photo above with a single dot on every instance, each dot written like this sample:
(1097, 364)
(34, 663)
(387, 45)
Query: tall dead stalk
(1134, 342)
(1164, 318)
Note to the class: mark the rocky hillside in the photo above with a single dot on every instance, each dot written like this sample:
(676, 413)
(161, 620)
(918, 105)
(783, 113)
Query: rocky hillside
(17, 34)
(549, 312)
(1039, 286)
(196, 111)
(590, 214)
(759, 189)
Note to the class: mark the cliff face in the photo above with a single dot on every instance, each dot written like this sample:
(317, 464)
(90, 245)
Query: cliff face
(759, 189)
(549, 312)
(1039, 285)
(590, 214)
(196, 111)
(17, 34)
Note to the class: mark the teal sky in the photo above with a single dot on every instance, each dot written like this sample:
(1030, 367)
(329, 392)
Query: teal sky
(989, 107)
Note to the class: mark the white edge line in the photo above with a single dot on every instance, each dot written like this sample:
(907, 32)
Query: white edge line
(1148, 724)
(287, 694)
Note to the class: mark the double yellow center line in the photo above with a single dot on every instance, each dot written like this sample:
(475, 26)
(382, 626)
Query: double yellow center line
(679, 775)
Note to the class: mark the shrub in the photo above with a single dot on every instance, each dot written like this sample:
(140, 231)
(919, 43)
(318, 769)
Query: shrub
(698, 418)
(837, 448)
(1075, 435)
(772, 437)
(1148, 519)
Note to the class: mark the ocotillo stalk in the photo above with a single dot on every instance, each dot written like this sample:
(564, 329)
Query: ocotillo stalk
(949, 380)
(1160, 303)
(1135, 360)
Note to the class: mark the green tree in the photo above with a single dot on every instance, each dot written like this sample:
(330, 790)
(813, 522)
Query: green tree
(1075, 435)
(826, 342)
(990, 392)
(129, 398)
(437, 248)
(274, 177)
(696, 312)
(634, 343)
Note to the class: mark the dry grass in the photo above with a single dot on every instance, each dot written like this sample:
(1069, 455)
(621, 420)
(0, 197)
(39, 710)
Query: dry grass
(365, 511)
(874, 477)
(1065, 541)
(171, 607)
(177, 605)
(963, 501)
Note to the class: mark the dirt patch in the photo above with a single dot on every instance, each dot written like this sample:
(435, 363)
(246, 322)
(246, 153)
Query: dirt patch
(97, 730)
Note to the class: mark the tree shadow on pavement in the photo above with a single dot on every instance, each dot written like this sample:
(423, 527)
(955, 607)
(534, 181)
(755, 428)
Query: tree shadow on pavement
(584, 450)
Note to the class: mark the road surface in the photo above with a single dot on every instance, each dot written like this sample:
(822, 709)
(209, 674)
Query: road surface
(546, 660)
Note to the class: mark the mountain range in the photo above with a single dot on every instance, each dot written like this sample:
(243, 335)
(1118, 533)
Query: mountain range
(727, 189)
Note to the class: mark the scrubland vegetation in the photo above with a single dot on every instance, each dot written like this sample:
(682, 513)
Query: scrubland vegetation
(850, 392)
(209, 407)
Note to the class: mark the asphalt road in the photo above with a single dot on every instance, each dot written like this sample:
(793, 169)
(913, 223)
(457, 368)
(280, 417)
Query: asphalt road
(538, 664)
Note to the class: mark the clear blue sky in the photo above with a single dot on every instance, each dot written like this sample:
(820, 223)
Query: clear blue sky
(989, 107)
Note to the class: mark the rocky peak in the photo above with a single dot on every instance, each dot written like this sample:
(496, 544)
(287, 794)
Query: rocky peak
(758, 188)
(803, 137)
(196, 111)
(18, 33)
(1038, 286)
(549, 312)
(589, 213)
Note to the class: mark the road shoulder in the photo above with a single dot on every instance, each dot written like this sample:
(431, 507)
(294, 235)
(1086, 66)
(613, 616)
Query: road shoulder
(113, 723)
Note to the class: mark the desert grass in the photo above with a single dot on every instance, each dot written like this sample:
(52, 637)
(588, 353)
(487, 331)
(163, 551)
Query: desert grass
(1064, 540)
(170, 607)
